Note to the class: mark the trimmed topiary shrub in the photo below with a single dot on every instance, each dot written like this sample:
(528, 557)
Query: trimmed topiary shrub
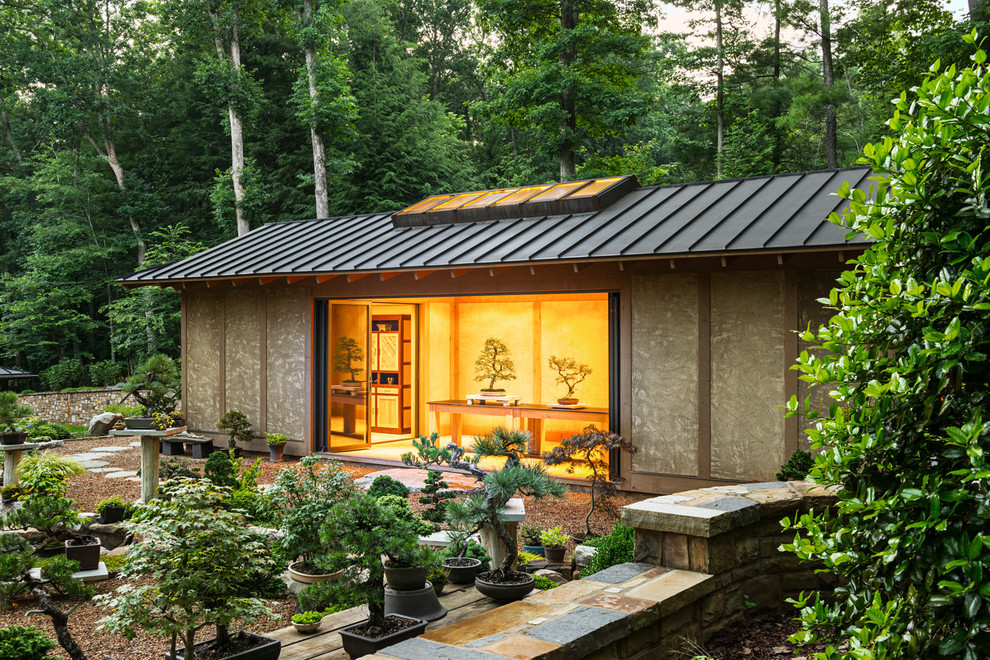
(386, 485)
(797, 466)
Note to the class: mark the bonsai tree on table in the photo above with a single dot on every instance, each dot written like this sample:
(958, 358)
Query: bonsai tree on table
(494, 364)
(569, 373)
(11, 410)
(197, 555)
(348, 352)
(155, 384)
(591, 448)
(483, 506)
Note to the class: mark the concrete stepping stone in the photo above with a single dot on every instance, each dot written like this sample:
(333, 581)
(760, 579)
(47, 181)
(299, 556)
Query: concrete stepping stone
(88, 456)
(105, 469)
(135, 479)
(136, 444)
(96, 575)
(121, 474)
(113, 448)
(93, 464)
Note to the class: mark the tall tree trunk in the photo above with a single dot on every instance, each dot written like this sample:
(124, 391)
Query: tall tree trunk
(109, 153)
(831, 137)
(568, 21)
(10, 136)
(319, 151)
(719, 90)
(231, 56)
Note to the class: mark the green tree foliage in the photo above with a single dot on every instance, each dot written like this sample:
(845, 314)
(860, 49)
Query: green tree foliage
(904, 440)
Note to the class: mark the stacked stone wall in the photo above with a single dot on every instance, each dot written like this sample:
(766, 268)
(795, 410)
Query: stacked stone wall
(76, 407)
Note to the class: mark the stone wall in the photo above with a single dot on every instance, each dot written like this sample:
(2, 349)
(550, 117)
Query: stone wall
(76, 407)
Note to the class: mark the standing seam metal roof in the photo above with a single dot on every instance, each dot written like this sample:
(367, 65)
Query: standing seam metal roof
(774, 213)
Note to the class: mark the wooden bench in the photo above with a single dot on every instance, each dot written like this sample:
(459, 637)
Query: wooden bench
(174, 445)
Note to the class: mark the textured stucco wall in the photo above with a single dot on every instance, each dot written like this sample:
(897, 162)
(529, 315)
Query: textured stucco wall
(242, 319)
(665, 373)
(288, 328)
(202, 368)
(747, 372)
(812, 285)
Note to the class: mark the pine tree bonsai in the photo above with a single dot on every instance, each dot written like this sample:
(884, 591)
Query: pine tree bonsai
(435, 496)
(237, 427)
(155, 384)
(494, 364)
(569, 373)
(348, 352)
(483, 506)
(11, 410)
(590, 448)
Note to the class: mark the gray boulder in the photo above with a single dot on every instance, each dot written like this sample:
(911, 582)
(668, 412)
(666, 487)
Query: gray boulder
(582, 556)
(111, 536)
(553, 576)
(102, 423)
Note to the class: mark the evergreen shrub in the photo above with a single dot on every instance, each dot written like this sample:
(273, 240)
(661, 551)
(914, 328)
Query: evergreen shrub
(386, 485)
(616, 548)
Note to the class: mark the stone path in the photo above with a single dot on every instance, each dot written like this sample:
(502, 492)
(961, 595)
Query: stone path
(98, 460)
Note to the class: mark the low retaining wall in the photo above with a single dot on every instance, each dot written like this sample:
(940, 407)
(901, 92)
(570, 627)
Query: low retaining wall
(702, 557)
(76, 407)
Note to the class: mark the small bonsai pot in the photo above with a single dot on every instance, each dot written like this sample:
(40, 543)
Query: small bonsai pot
(505, 592)
(17, 438)
(140, 423)
(534, 550)
(405, 578)
(567, 402)
(265, 648)
(112, 514)
(86, 551)
(297, 574)
(554, 555)
(307, 627)
(461, 570)
(358, 645)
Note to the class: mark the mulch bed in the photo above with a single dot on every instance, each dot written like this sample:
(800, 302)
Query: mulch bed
(763, 638)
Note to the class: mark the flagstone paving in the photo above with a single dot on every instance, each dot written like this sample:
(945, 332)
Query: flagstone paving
(121, 474)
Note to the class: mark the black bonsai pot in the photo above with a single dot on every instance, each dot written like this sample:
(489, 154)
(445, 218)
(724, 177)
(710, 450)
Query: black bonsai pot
(112, 514)
(505, 592)
(86, 551)
(461, 570)
(405, 578)
(554, 555)
(140, 423)
(264, 648)
(357, 645)
(16, 438)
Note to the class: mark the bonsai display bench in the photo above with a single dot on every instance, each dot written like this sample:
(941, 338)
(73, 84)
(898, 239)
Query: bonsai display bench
(150, 448)
(174, 445)
(12, 457)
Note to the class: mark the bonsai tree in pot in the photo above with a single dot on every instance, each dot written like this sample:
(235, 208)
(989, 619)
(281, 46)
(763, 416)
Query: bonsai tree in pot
(570, 374)
(361, 521)
(494, 364)
(348, 352)
(303, 495)
(196, 554)
(483, 506)
(590, 448)
(276, 445)
(554, 541)
(237, 427)
(155, 384)
(11, 410)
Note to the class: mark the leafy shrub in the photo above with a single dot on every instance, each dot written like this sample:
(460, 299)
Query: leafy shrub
(475, 551)
(797, 466)
(616, 548)
(25, 643)
(67, 373)
(543, 583)
(107, 372)
(327, 597)
(526, 557)
(114, 562)
(276, 439)
(400, 509)
(905, 362)
(303, 618)
(554, 538)
(125, 410)
(257, 507)
(386, 485)
(37, 428)
(219, 469)
(178, 468)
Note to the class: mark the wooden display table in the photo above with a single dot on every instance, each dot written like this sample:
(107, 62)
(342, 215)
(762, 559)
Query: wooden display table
(12, 457)
(534, 413)
(350, 400)
(150, 447)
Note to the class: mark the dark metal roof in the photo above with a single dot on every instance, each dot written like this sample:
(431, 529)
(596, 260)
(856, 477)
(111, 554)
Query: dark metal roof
(786, 212)
(6, 374)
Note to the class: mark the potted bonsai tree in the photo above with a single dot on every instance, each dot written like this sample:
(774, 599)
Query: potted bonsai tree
(463, 558)
(532, 539)
(155, 384)
(196, 554)
(569, 373)
(276, 445)
(11, 410)
(590, 448)
(237, 427)
(111, 510)
(303, 495)
(348, 352)
(554, 541)
(493, 365)
(483, 506)
(361, 521)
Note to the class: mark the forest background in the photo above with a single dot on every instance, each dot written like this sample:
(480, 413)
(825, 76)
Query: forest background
(135, 132)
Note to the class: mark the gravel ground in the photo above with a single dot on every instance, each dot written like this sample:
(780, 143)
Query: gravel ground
(763, 638)
(90, 488)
